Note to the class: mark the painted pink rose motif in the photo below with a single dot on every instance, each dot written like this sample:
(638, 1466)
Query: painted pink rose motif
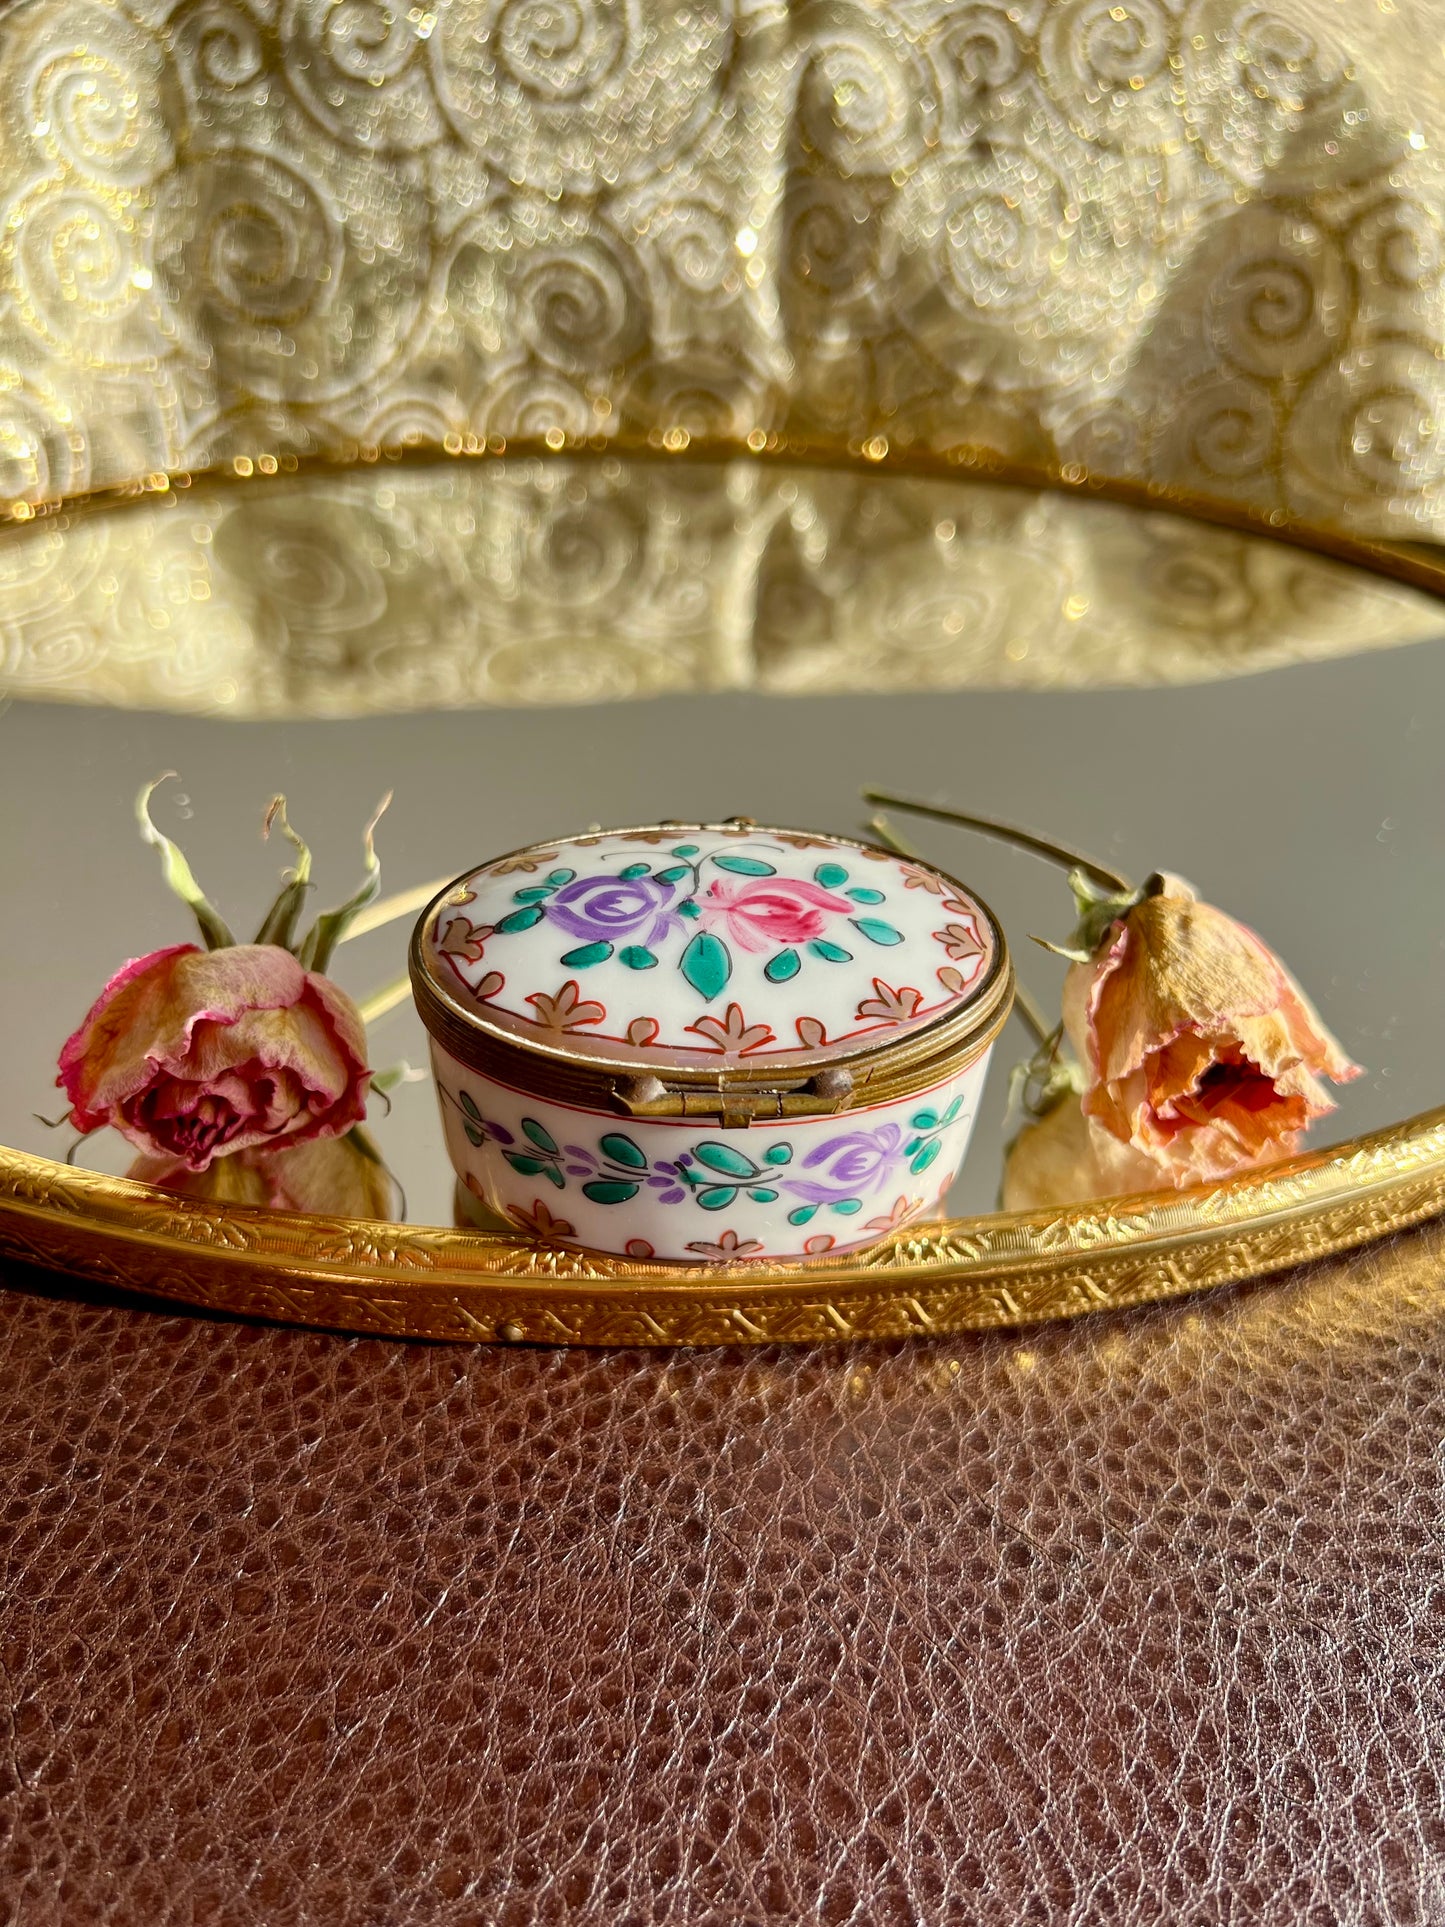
(191, 1054)
(768, 913)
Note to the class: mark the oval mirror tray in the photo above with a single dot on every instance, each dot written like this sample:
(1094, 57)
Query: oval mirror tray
(520, 643)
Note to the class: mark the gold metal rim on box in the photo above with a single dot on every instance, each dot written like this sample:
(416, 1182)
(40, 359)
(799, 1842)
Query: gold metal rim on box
(761, 1088)
(964, 1274)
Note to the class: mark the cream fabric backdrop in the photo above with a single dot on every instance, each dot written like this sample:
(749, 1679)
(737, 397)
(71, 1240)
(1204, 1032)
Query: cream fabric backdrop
(1195, 244)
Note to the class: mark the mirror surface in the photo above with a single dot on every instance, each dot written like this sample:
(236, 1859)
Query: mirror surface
(1159, 693)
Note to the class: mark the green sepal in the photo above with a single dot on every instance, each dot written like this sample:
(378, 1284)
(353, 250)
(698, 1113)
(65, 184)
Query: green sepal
(177, 873)
(332, 925)
(279, 925)
(1098, 909)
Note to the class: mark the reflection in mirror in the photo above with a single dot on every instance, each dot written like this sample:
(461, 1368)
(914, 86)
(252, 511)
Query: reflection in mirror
(1073, 665)
(573, 580)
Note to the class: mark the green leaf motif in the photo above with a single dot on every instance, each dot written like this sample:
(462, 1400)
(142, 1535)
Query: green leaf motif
(876, 930)
(674, 874)
(609, 1191)
(804, 1214)
(778, 1154)
(535, 1168)
(469, 1105)
(829, 952)
(706, 964)
(952, 1112)
(584, 954)
(634, 870)
(539, 1135)
(474, 1136)
(622, 1150)
(786, 964)
(516, 920)
(717, 1197)
(866, 896)
(538, 893)
(685, 849)
(558, 877)
(745, 866)
(926, 1156)
(845, 1207)
(722, 1157)
(688, 908)
(924, 1120)
(636, 956)
(831, 875)
(762, 1197)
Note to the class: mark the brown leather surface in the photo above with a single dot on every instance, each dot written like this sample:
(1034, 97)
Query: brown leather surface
(1136, 1620)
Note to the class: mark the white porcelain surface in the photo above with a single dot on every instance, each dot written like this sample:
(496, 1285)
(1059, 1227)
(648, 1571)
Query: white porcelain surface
(695, 945)
(694, 1193)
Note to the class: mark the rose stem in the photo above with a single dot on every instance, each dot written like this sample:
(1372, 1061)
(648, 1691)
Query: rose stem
(1008, 833)
(1029, 1014)
(403, 903)
(386, 999)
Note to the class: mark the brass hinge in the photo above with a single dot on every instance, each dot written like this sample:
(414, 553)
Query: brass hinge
(736, 1105)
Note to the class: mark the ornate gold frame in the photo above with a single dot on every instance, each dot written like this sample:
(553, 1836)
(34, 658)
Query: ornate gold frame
(968, 1273)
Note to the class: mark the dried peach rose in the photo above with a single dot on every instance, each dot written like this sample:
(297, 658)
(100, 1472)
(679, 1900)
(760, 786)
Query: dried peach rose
(1200, 1052)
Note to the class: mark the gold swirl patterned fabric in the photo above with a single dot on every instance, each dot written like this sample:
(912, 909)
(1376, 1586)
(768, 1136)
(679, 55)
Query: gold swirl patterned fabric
(1193, 243)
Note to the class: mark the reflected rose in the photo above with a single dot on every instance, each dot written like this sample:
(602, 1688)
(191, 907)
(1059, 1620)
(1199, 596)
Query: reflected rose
(1066, 1158)
(339, 1177)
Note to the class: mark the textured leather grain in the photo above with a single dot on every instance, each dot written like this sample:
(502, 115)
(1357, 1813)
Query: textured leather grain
(1138, 1620)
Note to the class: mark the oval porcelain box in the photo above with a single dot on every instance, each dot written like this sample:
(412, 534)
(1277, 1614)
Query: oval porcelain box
(705, 1042)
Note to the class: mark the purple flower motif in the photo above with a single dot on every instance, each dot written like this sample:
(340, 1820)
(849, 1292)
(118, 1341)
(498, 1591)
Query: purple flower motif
(849, 1165)
(612, 909)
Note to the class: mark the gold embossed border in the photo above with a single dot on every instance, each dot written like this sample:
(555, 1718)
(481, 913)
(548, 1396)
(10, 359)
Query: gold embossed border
(967, 1274)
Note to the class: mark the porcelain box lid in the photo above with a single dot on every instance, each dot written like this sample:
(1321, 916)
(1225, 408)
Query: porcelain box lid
(681, 947)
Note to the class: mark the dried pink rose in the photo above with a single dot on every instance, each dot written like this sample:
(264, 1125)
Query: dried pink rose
(192, 1054)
